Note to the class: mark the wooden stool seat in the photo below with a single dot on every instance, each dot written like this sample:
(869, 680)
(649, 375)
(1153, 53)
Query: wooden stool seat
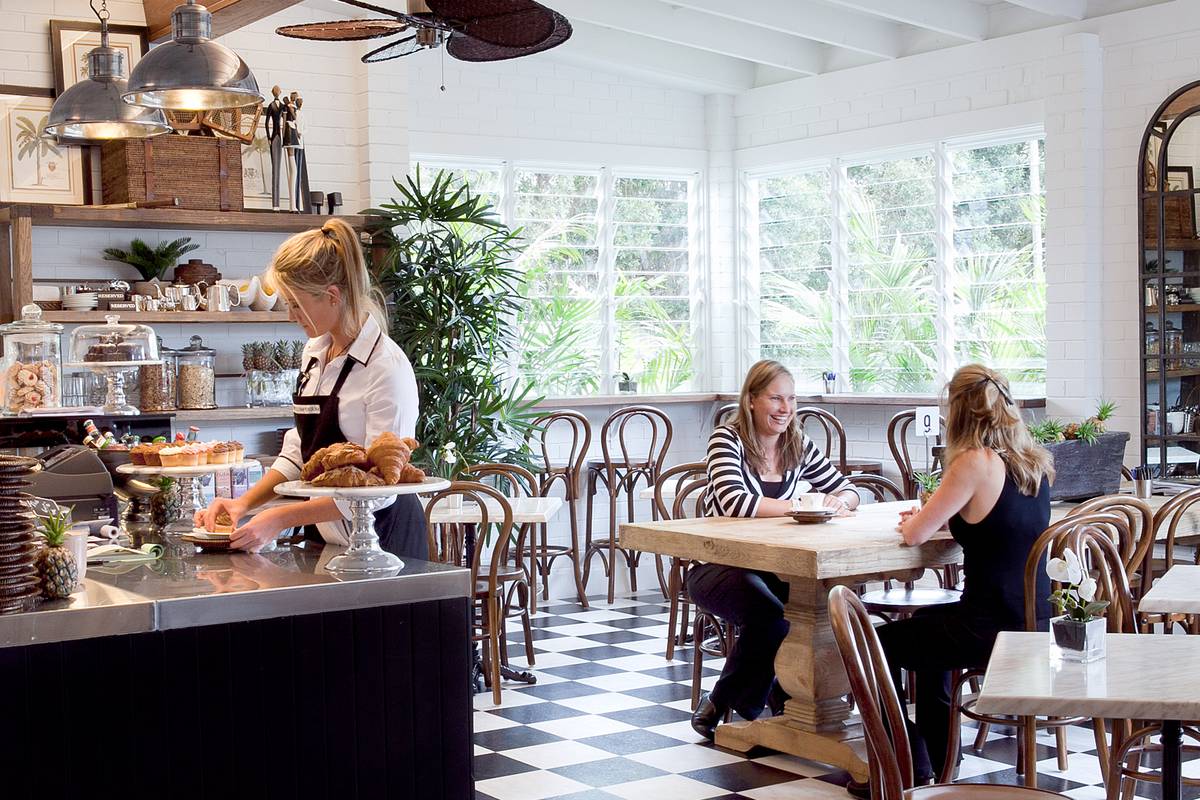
(905, 601)
(864, 466)
(965, 791)
(549, 472)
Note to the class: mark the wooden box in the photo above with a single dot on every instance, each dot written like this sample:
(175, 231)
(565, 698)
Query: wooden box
(1083, 470)
(204, 172)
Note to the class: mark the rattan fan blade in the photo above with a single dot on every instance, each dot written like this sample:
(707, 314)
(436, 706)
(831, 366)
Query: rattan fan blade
(505, 23)
(343, 30)
(396, 49)
(466, 48)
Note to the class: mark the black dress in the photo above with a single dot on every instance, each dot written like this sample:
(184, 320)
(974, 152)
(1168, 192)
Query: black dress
(940, 639)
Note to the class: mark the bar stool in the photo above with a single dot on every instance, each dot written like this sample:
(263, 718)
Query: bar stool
(834, 432)
(620, 472)
(568, 471)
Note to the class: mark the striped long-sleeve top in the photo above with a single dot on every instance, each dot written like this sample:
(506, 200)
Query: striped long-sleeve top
(734, 490)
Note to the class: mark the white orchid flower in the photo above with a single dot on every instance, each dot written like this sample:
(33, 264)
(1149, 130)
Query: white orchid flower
(450, 458)
(449, 446)
(1087, 589)
(1056, 568)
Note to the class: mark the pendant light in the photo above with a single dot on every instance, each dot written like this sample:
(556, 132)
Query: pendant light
(192, 72)
(92, 110)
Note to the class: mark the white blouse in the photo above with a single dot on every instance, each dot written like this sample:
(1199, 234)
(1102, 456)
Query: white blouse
(380, 394)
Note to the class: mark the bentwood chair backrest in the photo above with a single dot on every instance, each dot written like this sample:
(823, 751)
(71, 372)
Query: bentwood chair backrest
(637, 437)
(1139, 523)
(1179, 510)
(897, 435)
(686, 483)
(831, 431)
(884, 490)
(510, 479)
(888, 749)
(1091, 538)
(576, 433)
(725, 415)
(447, 541)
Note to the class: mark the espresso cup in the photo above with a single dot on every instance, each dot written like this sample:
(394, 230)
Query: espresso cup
(812, 501)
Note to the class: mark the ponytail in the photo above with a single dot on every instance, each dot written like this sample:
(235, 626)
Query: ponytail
(331, 255)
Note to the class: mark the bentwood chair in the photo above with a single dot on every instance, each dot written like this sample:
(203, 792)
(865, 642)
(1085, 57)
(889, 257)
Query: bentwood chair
(1089, 536)
(898, 442)
(1139, 525)
(676, 492)
(889, 752)
(520, 595)
(634, 443)
(725, 414)
(449, 544)
(1178, 517)
(576, 437)
(834, 434)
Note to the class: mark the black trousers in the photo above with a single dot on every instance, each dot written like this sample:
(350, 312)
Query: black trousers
(933, 643)
(754, 602)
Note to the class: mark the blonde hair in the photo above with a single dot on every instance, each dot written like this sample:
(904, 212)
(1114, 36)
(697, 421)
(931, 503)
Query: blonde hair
(791, 442)
(331, 255)
(981, 413)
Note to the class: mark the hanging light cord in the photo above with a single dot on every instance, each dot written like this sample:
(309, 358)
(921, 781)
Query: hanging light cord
(102, 15)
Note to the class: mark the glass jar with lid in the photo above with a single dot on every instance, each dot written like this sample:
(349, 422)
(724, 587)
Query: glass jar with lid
(1172, 344)
(196, 376)
(1153, 347)
(113, 349)
(157, 382)
(32, 363)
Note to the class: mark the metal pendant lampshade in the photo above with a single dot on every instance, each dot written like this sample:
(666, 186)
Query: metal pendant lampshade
(93, 110)
(192, 72)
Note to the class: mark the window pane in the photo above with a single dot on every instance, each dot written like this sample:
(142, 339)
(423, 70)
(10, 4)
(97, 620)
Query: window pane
(560, 324)
(653, 283)
(795, 235)
(891, 221)
(999, 307)
(484, 181)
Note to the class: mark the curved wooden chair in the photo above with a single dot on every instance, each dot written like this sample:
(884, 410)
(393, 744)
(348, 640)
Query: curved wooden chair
(1089, 535)
(889, 752)
(1179, 511)
(448, 544)
(897, 436)
(678, 490)
(1139, 530)
(881, 489)
(575, 429)
(834, 434)
(724, 414)
(634, 443)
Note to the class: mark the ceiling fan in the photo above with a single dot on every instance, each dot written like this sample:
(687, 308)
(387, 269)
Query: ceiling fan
(472, 30)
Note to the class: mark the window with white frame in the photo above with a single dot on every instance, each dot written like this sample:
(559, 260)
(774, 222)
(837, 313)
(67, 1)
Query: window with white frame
(608, 266)
(893, 270)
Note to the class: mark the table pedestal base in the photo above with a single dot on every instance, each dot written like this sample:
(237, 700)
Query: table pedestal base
(843, 748)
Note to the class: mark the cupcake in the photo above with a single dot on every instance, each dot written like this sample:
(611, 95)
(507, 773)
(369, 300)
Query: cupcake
(239, 453)
(137, 456)
(222, 452)
(201, 453)
(153, 459)
(191, 455)
(172, 456)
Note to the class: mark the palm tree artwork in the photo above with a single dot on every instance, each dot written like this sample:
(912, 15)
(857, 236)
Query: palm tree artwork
(30, 143)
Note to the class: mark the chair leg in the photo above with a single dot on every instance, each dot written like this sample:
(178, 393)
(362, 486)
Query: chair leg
(575, 552)
(589, 549)
(1060, 741)
(662, 582)
(531, 606)
(982, 734)
(1102, 746)
(1029, 736)
(697, 657)
(528, 630)
(673, 613)
(954, 737)
(612, 539)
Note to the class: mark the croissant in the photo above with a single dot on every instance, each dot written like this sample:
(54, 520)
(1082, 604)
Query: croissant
(410, 443)
(347, 477)
(388, 455)
(346, 455)
(410, 474)
(315, 465)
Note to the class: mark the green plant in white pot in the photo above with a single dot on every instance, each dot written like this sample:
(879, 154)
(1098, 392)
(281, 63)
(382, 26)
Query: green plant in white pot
(1079, 629)
(927, 483)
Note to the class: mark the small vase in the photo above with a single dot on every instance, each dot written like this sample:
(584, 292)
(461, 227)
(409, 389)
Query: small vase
(627, 387)
(1079, 641)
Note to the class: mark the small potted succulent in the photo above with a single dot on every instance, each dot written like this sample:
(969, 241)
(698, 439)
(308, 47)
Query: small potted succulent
(151, 262)
(1079, 629)
(1087, 456)
(627, 385)
(927, 484)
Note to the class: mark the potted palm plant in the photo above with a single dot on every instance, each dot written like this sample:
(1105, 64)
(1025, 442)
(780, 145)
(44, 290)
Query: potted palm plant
(626, 385)
(1079, 629)
(151, 262)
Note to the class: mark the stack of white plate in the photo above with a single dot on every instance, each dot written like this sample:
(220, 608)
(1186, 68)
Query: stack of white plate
(80, 301)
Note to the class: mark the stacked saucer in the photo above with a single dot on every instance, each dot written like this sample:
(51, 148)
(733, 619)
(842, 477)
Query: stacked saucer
(19, 587)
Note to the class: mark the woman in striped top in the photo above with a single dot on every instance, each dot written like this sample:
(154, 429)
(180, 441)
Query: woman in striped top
(757, 467)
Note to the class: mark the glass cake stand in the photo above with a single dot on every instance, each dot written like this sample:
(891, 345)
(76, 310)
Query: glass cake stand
(189, 491)
(364, 556)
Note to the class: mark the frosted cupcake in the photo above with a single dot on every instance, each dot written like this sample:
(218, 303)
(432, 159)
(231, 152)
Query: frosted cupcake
(172, 457)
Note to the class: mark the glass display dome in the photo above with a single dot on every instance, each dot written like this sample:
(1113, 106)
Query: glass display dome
(114, 344)
(32, 363)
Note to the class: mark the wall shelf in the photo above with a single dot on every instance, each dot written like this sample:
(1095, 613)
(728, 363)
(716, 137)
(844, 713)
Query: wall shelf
(1184, 307)
(214, 317)
(237, 413)
(175, 218)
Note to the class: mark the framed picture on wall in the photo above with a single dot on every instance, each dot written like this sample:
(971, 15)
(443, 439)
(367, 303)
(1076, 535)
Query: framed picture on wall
(34, 169)
(1181, 179)
(71, 41)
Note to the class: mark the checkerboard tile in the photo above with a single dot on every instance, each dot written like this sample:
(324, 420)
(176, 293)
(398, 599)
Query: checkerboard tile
(608, 718)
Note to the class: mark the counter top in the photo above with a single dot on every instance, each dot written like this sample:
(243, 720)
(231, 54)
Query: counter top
(213, 589)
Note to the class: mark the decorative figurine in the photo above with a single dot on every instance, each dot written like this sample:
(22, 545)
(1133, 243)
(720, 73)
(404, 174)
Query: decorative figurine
(291, 140)
(273, 117)
(300, 186)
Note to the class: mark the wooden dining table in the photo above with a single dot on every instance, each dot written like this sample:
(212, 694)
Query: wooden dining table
(812, 559)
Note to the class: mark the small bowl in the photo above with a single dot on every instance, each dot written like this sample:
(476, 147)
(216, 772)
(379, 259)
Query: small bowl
(814, 516)
(266, 299)
(248, 292)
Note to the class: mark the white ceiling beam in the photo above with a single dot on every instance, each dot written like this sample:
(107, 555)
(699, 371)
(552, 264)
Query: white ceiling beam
(821, 23)
(605, 49)
(1068, 9)
(701, 31)
(959, 18)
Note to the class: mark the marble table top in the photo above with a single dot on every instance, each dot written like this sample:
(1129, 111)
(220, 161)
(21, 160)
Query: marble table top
(1142, 676)
(1176, 592)
(525, 510)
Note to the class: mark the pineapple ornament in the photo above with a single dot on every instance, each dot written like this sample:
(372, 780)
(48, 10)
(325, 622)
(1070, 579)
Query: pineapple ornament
(281, 352)
(56, 567)
(297, 355)
(247, 357)
(165, 506)
(262, 356)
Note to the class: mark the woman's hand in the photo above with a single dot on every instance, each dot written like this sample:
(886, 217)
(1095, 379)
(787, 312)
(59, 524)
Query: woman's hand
(207, 519)
(905, 515)
(259, 531)
(838, 504)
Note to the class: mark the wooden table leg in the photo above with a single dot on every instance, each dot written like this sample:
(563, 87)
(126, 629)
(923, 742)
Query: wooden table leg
(813, 725)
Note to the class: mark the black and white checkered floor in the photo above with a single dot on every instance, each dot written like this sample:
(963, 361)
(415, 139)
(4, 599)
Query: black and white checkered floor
(608, 718)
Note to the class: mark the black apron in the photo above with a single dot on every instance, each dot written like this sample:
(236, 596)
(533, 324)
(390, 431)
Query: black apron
(400, 526)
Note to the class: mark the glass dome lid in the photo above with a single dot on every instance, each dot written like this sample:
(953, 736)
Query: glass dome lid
(113, 344)
(31, 322)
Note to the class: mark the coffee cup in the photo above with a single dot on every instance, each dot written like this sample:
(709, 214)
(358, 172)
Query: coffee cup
(812, 501)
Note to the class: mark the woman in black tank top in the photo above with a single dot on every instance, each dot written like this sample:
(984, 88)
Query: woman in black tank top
(997, 476)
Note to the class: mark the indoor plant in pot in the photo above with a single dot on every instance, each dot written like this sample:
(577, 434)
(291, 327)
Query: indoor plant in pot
(1087, 456)
(626, 384)
(1079, 629)
(151, 262)
(927, 484)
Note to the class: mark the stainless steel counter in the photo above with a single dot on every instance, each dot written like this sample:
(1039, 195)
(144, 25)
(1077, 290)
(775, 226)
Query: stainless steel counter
(213, 589)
